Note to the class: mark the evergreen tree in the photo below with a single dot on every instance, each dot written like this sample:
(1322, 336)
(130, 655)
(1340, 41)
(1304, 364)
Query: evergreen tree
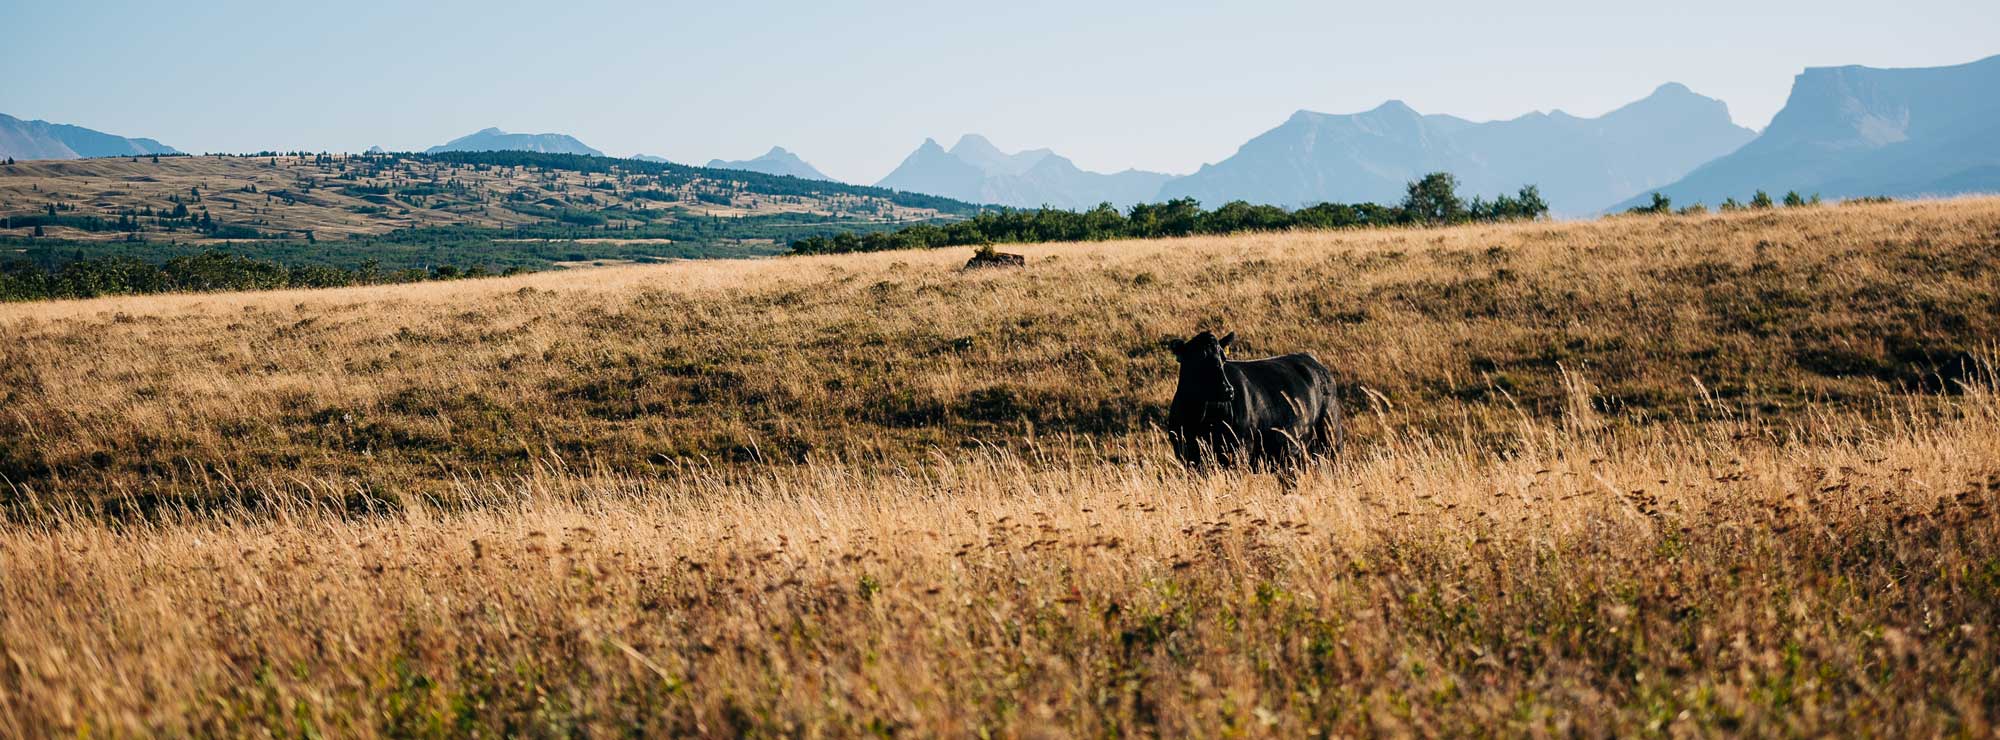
(1434, 200)
(1529, 204)
(1661, 204)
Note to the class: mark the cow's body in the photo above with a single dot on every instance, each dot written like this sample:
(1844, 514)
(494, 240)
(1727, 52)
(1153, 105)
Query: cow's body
(1274, 413)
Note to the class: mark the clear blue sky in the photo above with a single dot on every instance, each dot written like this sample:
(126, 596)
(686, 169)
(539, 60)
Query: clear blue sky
(853, 87)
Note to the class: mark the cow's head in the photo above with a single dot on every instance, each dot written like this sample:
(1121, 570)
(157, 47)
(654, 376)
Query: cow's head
(1202, 380)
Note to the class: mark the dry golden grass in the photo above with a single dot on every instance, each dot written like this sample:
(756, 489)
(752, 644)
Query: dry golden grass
(1684, 584)
(399, 391)
(1681, 476)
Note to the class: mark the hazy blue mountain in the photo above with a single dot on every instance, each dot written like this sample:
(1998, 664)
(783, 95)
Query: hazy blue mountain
(1314, 157)
(981, 153)
(933, 171)
(25, 140)
(774, 162)
(495, 140)
(651, 158)
(1855, 131)
(376, 150)
(1056, 181)
(1580, 164)
(976, 171)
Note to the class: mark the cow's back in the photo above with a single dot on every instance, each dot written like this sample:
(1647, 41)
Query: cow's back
(1287, 393)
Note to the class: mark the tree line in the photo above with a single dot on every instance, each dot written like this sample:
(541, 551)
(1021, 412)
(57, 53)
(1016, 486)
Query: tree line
(22, 280)
(1662, 204)
(1431, 200)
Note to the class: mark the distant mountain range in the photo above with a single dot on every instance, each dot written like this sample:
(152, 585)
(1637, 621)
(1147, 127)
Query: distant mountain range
(974, 170)
(774, 162)
(25, 140)
(495, 140)
(1845, 131)
(1858, 131)
(1580, 164)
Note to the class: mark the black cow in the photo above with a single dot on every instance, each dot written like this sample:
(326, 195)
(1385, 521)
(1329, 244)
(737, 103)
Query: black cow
(1274, 413)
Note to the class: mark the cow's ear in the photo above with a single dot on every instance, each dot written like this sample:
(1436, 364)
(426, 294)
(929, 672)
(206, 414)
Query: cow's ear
(1226, 340)
(1176, 344)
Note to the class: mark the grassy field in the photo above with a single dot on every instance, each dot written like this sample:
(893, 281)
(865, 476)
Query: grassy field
(1681, 475)
(407, 391)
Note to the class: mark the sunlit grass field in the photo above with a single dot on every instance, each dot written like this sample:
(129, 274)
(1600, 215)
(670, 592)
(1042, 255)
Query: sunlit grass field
(1676, 475)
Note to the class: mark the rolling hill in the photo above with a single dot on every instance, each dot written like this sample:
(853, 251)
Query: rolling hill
(26, 140)
(1861, 131)
(501, 209)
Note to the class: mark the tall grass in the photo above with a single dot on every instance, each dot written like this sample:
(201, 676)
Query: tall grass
(1842, 577)
(1670, 477)
(888, 359)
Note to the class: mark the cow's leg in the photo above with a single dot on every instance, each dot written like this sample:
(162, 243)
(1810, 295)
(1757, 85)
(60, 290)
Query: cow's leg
(1284, 454)
(1327, 435)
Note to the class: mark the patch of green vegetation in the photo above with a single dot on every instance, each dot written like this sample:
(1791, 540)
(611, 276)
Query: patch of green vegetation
(1432, 200)
(44, 268)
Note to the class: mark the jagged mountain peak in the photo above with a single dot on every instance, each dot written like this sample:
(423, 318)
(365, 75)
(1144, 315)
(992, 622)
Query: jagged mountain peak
(973, 143)
(1854, 130)
(975, 170)
(1394, 106)
(980, 152)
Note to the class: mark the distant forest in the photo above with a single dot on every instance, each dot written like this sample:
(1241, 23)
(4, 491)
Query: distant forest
(1434, 199)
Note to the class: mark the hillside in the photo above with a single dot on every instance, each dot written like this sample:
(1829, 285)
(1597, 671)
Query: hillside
(1858, 131)
(24, 140)
(483, 203)
(495, 140)
(1580, 164)
(882, 357)
(976, 171)
(1728, 474)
